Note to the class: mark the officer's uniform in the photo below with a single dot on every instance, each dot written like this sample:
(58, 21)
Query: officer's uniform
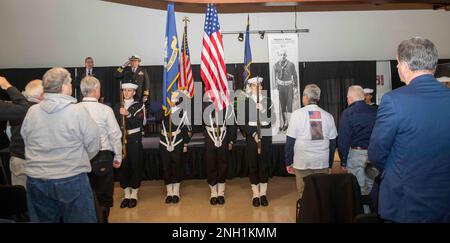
(219, 133)
(138, 76)
(259, 164)
(286, 80)
(130, 172)
(174, 136)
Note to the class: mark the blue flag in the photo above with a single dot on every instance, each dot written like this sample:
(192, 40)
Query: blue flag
(248, 54)
(171, 66)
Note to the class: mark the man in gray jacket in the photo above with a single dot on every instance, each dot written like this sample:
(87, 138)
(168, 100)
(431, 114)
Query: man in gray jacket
(60, 140)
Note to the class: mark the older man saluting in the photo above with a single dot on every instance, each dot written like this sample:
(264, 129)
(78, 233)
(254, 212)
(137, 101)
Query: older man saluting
(60, 139)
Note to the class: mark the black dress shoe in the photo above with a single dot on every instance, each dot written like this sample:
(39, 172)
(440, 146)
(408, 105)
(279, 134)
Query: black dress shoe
(169, 199)
(125, 203)
(221, 200)
(256, 202)
(133, 203)
(213, 201)
(264, 201)
(175, 199)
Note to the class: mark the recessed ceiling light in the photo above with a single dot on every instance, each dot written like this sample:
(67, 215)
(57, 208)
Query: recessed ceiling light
(280, 4)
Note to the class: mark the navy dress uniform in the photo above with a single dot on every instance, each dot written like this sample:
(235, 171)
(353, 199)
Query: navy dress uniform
(368, 93)
(220, 135)
(259, 164)
(130, 172)
(175, 136)
(286, 81)
(137, 75)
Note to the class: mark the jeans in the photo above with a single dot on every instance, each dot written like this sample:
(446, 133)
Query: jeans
(67, 200)
(356, 164)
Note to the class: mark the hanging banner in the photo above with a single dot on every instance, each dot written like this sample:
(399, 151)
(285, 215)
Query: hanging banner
(284, 81)
(384, 83)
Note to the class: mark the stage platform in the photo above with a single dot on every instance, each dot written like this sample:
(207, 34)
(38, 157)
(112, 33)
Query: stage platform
(194, 164)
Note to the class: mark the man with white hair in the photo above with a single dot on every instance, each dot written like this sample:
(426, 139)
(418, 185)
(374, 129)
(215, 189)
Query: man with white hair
(60, 139)
(110, 155)
(355, 128)
(34, 92)
(310, 140)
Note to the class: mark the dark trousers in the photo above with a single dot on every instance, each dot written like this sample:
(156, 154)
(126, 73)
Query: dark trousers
(130, 172)
(258, 164)
(216, 162)
(286, 95)
(172, 164)
(102, 178)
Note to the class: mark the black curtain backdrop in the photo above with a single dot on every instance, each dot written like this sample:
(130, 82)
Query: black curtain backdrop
(334, 78)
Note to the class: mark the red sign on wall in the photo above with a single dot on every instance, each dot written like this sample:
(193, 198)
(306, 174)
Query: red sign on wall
(380, 79)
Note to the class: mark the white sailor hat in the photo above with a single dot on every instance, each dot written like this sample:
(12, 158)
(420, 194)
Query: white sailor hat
(129, 85)
(255, 80)
(134, 57)
(444, 79)
(368, 91)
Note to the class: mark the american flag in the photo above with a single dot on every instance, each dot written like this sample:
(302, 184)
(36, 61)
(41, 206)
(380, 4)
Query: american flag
(186, 80)
(314, 115)
(212, 67)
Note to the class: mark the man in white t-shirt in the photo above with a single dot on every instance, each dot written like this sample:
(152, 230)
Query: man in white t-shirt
(311, 138)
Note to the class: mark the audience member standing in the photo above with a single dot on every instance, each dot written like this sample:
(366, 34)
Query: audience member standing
(311, 139)
(410, 142)
(355, 128)
(60, 140)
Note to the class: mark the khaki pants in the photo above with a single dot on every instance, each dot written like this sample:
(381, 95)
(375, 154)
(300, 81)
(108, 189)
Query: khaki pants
(299, 174)
(18, 178)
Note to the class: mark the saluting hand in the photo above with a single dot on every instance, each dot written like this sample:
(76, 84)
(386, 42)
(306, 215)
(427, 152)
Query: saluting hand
(4, 84)
(185, 149)
(124, 111)
(127, 63)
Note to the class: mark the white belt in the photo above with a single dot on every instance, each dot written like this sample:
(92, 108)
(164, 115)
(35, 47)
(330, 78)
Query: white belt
(169, 143)
(255, 124)
(133, 131)
(285, 83)
(217, 138)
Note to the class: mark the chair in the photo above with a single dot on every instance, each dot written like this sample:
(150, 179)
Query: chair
(329, 198)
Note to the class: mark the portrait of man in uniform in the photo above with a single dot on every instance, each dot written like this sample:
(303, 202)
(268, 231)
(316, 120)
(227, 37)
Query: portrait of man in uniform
(284, 80)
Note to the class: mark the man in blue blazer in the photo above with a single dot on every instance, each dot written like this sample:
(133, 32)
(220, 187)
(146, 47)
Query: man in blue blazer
(410, 142)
